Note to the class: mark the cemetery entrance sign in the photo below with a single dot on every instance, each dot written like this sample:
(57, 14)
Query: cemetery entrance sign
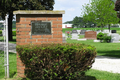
(40, 28)
(37, 27)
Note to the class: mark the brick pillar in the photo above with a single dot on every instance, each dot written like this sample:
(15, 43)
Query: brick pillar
(23, 30)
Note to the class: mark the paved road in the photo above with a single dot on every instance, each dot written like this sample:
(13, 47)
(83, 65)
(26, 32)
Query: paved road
(12, 47)
(109, 64)
(103, 63)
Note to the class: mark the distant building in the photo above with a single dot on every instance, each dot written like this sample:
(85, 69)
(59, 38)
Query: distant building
(66, 25)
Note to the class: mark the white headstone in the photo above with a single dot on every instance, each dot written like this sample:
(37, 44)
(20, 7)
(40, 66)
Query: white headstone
(106, 31)
(98, 31)
(115, 37)
(78, 31)
(74, 36)
(63, 34)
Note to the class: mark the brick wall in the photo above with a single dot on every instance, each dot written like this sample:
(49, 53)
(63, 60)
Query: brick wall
(23, 33)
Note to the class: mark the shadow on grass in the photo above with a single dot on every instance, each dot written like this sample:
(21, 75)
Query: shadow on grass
(78, 78)
(112, 53)
(11, 53)
(86, 78)
(12, 74)
(2, 74)
(13, 41)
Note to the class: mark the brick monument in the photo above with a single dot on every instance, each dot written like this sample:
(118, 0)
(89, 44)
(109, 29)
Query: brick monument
(37, 27)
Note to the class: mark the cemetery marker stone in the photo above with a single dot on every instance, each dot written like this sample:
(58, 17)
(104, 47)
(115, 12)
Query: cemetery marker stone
(82, 32)
(90, 35)
(74, 31)
(113, 31)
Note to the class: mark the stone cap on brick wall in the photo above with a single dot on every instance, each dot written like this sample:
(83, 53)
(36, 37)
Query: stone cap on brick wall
(39, 12)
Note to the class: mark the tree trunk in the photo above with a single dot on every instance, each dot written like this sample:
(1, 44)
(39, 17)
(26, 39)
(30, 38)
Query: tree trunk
(109, 27)
(10, 38)
(102, 28)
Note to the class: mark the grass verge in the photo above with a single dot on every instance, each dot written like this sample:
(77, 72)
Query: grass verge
(12, 65)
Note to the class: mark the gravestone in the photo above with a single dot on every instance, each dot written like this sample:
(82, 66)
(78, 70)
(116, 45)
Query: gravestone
(91, 35)
(82, 32)
(98, 31)
(78, 31)
(113, 31)
(63, 38)
(88, 30)
(74, 32)
(63, 34)
(115, 37)
(75, 36)
(106, 31)
(37, 27)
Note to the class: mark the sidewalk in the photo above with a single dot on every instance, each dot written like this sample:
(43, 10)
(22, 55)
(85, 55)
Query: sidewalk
(109, 64)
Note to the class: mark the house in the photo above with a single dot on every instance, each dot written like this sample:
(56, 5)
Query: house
(66, 25)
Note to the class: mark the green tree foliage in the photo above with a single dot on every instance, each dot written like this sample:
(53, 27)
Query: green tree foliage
(117, 8)
(100, 12)
(8, 6)
(80, 22)
(76, 22)
(68, 22)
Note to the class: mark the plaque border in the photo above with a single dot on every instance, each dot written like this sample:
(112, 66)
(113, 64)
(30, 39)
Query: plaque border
(41, 21)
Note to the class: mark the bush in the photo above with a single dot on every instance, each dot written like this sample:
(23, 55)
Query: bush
(103, 36)
(14, 33)
(56, 61)
(0, 32)
(106, 38)
(100, 36)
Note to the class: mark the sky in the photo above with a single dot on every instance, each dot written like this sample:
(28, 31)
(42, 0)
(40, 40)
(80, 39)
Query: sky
(72, 8)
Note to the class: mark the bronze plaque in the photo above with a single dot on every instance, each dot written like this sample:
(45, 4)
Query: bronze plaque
(40, 28)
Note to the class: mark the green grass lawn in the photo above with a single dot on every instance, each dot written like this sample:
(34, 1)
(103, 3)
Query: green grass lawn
(104, 49)
(12, 65)
(14, 39)
(90, 75)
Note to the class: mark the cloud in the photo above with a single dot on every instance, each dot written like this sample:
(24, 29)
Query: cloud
(72, 8)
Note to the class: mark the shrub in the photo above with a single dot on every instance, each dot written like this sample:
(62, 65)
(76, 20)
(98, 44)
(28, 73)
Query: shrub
(0, 32)
(14, 33)
(56, 61)
(100, 36)
(103, 36)
(106, 38)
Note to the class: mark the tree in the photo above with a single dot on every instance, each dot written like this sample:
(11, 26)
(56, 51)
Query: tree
(68, 22)
(117, 8)
(80, 22)
(8, 6)
(100, 12)
(76, 22)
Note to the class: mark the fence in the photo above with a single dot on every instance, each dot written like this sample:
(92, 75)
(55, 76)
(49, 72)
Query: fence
(4, 54)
